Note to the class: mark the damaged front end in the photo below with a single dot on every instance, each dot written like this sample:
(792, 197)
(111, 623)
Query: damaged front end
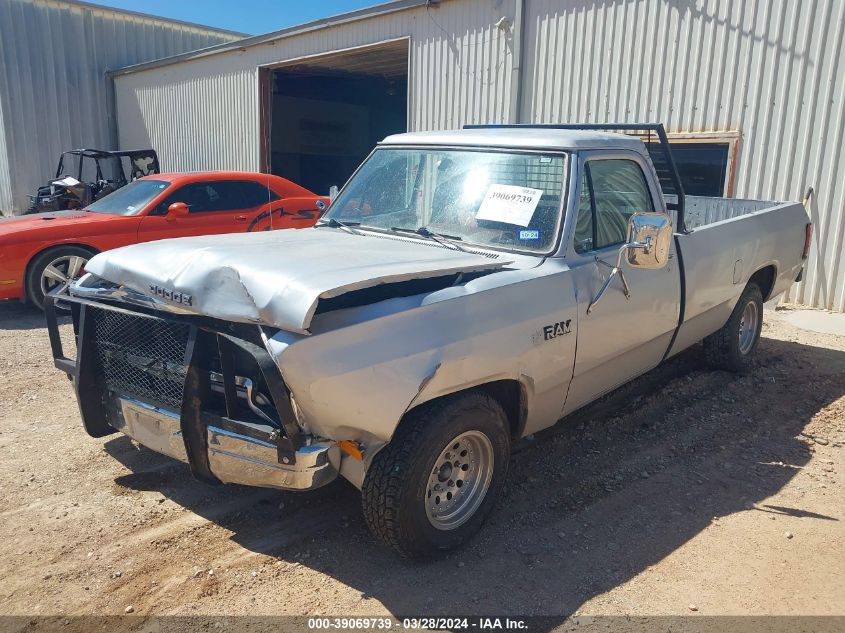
(197, 389)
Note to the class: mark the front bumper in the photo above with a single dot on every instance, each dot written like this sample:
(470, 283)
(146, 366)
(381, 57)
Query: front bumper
(218, 445)
(233, 458)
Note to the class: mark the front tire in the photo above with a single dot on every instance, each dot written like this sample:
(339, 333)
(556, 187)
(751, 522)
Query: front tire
(54, 270)
(731, 347)
(432, 487)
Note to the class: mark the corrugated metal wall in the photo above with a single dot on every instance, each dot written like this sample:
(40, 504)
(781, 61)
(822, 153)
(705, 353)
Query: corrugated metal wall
(5, 175)
(54, 94)
(771, 69)
(204, 113)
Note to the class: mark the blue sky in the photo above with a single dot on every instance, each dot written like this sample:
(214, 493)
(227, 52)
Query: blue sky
(248, 16)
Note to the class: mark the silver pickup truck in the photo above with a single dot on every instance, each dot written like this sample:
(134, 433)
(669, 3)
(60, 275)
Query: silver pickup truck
(464, 289)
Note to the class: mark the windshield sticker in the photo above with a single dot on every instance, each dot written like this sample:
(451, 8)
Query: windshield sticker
(509, 204)
(532, 234)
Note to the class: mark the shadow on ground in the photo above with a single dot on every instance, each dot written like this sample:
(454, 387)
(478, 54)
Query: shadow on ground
(589, 505)
(15, 315)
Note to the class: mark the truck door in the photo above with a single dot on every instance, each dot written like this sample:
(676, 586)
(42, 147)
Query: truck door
(620, 338)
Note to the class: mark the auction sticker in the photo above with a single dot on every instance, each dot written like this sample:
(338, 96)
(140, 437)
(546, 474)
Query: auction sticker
(509, 204)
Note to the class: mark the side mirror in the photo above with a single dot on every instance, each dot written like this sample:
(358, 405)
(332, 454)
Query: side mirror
(177, 210)
(649, 241)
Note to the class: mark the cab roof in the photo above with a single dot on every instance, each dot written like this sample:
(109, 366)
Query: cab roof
(521, 138)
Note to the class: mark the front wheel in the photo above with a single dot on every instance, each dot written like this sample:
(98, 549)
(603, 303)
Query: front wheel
(54, 271)
(731, 347)
(431, 488)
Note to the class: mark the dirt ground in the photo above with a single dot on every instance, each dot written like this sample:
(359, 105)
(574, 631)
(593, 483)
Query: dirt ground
(688, 492)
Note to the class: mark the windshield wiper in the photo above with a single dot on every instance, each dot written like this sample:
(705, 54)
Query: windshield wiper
(337, 224)
(449, 241)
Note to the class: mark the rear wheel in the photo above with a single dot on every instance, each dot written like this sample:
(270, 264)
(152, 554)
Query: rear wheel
(731, 347)
(431, 488)
(53, 271)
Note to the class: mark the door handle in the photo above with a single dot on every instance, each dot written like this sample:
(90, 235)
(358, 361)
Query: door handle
(240, 218)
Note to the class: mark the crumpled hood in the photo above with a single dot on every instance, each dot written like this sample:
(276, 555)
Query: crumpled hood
(276, 277)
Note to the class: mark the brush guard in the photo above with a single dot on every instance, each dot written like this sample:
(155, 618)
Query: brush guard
(150, 378)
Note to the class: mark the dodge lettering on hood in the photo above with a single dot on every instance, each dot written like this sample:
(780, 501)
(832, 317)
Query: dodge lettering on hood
(464, 289)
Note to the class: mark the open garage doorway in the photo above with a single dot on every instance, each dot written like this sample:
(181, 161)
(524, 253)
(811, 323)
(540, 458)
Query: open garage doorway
(322, 115)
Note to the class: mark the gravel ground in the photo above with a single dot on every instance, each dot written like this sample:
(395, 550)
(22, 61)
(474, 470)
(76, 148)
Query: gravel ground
(687, 492)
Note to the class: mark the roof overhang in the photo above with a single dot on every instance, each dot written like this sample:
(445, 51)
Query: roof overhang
(315, 25)
(150, 17)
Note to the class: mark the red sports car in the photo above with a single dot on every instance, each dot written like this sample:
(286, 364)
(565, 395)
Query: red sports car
(47, 251)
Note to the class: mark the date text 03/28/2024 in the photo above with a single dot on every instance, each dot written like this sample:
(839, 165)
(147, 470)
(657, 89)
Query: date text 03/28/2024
(422, 623)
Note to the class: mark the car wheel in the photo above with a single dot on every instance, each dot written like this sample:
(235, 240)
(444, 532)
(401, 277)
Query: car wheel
(53, 271)
(433, 485)
(732, 346)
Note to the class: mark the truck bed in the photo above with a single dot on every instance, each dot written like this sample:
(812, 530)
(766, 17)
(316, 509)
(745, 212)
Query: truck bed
(701, 211)
(727, 241)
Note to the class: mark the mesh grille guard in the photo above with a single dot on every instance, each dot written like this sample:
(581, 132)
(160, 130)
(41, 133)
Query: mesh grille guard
(166, 362)
(141, 356)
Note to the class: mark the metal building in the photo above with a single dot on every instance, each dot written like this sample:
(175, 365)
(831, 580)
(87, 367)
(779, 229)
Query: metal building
(752, 92)
(54, 91)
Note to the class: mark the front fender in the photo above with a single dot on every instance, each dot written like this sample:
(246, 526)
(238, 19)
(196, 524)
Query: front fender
(357, 381)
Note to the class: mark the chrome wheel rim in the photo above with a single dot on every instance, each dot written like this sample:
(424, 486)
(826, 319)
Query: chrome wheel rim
(748, 327)
(61, 272)
(459, 480)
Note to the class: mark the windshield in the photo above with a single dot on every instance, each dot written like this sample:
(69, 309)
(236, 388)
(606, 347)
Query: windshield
(129, 200)
(501, 199)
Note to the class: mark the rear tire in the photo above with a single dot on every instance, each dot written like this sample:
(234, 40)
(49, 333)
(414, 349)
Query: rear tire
(432, 487)
(732, 346)
(54, 268)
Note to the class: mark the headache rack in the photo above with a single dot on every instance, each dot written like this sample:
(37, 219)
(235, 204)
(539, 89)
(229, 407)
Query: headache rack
(659, 151)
